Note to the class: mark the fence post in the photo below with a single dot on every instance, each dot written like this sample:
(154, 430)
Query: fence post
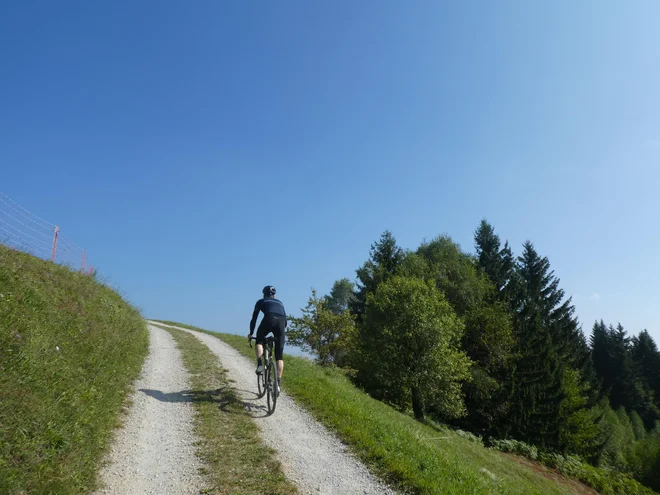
(57, 230)
(82, 265)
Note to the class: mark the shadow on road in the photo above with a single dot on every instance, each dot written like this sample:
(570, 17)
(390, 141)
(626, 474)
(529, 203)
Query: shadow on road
(224, 397)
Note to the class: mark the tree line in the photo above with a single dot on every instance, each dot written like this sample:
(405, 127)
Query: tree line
(490, 343)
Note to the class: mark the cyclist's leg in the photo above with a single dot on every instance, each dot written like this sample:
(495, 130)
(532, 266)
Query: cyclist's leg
(278, 332)
(262, 331)
(280, 368)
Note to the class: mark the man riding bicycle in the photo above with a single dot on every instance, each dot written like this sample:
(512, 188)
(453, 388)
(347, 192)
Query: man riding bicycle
(274, 320)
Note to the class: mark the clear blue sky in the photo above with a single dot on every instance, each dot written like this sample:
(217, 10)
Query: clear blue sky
(201, 150)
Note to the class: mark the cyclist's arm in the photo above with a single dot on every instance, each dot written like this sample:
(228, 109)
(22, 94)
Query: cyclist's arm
(255, 315)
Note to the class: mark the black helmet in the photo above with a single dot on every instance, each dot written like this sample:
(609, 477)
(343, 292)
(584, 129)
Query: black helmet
(269, 290)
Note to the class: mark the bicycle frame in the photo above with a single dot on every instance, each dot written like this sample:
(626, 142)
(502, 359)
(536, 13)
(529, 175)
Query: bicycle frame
(270, 366)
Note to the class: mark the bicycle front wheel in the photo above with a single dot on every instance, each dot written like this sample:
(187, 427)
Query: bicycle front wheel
(271, 387)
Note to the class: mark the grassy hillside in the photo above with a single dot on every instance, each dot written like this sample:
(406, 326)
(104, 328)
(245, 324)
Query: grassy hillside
(416, 457)
(69, 350)
(422, 458)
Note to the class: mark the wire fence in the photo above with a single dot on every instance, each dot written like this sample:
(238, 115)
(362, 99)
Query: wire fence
(25, 231)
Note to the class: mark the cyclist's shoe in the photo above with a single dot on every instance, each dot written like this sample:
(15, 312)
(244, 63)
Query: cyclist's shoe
(260, 369)
(278, 387)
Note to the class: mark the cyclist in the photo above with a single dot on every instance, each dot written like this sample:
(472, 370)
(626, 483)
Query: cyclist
(274, 320)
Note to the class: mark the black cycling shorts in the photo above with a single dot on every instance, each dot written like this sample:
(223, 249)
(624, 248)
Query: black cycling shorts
(276, 324)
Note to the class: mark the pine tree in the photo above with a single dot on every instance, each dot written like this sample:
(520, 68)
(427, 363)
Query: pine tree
(623, 392)
(646, 357)
(536, 383)
(622, 364)
(601, 356)
(496, 262)
(385, 257)
(550, 344)
(578, 430)
(646, 363)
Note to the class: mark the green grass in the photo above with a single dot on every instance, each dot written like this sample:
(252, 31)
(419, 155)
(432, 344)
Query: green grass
(417, 458)
(69, 350)
(237, 460)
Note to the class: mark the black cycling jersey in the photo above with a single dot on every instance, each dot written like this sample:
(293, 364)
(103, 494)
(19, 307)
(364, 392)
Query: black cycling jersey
(268, 306)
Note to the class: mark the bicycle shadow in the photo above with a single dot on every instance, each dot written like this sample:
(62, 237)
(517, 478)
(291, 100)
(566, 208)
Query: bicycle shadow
(224, 397)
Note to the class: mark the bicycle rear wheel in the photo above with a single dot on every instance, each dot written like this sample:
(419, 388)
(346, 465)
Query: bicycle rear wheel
(271, 387)
(261, 384)
(261, 379)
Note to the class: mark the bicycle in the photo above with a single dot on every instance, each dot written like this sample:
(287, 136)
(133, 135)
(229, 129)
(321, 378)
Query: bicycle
(267, 380)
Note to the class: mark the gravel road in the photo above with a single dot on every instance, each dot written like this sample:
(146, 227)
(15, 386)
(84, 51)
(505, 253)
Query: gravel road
(311, 456)
(154, 452)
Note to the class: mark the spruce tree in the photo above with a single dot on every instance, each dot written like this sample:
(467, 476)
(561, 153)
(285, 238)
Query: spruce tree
(550, 344)
(646, 357)
(622, 365)
(497, 262)
(601, 356)
(385, 257)
(536, 383)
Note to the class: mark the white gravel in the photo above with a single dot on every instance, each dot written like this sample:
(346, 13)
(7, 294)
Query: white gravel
(311, 456)
(154, 452)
